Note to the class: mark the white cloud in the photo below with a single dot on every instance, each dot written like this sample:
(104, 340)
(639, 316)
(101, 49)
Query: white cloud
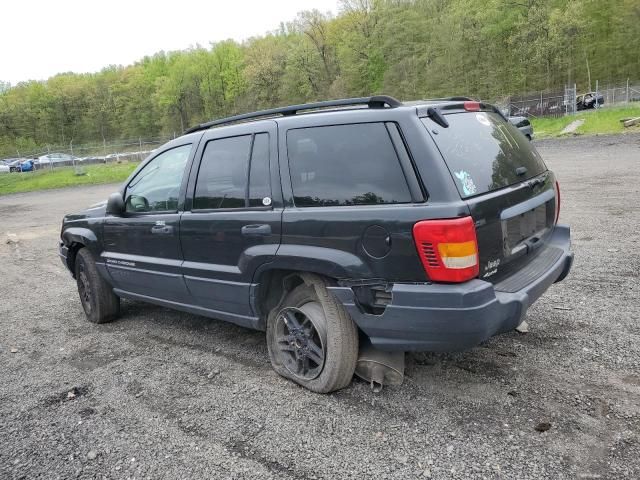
(41, 38)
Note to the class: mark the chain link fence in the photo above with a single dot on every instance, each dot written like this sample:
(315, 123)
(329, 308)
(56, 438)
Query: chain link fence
(551, 103)
(617, 94)
(57, 156)
(546, 103)
(569, 100)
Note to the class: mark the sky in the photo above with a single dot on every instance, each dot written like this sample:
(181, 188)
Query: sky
(39, 38)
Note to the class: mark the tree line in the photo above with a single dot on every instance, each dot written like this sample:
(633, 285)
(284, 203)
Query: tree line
(406, 48)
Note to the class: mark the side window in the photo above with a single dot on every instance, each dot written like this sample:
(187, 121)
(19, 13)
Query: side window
(259, 178)
(157, 186)
(345, 165)
(225, 170)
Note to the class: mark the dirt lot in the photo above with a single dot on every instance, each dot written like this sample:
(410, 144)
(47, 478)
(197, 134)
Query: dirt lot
(161, 394)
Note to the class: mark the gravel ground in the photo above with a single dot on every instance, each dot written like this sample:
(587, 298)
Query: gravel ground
(160, 394)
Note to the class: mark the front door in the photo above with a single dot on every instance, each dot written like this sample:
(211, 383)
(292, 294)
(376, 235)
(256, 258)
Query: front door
(142, 247)
(232, 218)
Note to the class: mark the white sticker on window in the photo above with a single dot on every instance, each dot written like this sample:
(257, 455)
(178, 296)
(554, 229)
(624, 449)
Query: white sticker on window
(468, 185)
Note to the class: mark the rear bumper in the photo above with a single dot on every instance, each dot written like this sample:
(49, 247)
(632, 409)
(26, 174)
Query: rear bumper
(444, 318)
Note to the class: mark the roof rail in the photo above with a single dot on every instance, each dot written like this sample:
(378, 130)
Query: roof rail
(377, 101)
(448, 99)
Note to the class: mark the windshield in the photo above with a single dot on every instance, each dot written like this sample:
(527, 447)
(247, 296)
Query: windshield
(483, 152)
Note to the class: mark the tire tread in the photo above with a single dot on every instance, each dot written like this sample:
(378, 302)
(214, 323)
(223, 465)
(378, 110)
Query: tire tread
(107, 304)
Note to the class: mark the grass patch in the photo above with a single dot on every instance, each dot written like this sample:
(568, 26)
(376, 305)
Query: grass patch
(64, 177)
(601, 121)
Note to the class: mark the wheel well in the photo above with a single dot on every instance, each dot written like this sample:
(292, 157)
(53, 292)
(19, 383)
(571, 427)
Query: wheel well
(274, 286)
(74, 248)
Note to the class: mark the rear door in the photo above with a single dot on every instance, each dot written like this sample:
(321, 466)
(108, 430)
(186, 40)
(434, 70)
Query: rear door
(504, 181)
(232, 218)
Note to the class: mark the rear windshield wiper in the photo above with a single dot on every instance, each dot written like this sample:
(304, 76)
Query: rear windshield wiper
(436, 115)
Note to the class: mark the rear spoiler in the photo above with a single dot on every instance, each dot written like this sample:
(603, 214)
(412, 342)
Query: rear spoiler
(446, 105)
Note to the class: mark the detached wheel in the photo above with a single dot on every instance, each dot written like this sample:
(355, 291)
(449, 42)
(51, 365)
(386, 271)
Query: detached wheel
(99, 302)
(312, 340)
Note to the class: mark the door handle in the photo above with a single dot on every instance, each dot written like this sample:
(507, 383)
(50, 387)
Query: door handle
(162, 230)
(256, 230)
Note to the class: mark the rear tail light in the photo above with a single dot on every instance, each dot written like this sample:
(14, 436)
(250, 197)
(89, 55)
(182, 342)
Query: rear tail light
(557, 201)
(471, 106)
(448, 249)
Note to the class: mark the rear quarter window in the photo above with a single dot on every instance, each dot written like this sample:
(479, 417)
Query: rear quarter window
(483, 152)
(345, 165)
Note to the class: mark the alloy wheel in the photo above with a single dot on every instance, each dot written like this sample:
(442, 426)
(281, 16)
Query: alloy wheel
(300, 340)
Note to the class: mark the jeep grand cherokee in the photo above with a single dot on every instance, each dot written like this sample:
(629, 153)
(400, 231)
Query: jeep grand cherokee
(427, 227)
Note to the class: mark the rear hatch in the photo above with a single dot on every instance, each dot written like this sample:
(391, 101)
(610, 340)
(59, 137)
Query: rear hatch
(510, 192)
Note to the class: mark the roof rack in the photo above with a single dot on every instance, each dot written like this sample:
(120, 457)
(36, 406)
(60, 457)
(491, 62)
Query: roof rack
(446, 99)
(377, 101)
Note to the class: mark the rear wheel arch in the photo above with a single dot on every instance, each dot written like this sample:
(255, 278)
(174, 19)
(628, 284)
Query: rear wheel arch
(275, 284)
(289, 268)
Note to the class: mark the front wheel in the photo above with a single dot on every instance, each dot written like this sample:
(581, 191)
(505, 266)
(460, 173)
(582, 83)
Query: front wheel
(312, 340)
(99, 302)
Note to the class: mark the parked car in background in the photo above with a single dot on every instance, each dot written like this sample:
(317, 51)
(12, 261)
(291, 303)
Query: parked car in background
(19, 164)
(56, 158)
(92, 159)
(4, 168)
(26, 165)
(12, 163)
(589, 100)
(524, 125)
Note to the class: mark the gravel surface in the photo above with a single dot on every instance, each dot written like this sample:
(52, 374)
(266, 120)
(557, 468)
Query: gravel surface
(161, 394)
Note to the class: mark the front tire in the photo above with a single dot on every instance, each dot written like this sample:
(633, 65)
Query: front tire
(99, 302)
(311, 338)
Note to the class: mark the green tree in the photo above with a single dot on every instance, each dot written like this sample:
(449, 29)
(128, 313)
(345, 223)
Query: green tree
(407, 48)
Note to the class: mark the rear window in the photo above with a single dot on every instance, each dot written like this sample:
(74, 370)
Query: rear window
(483, 152)
(345, 165)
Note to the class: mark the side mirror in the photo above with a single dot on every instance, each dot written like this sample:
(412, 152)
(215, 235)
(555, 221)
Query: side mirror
(115, 204)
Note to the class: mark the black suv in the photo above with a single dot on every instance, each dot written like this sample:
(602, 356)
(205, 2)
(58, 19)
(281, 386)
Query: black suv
(427, 227)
